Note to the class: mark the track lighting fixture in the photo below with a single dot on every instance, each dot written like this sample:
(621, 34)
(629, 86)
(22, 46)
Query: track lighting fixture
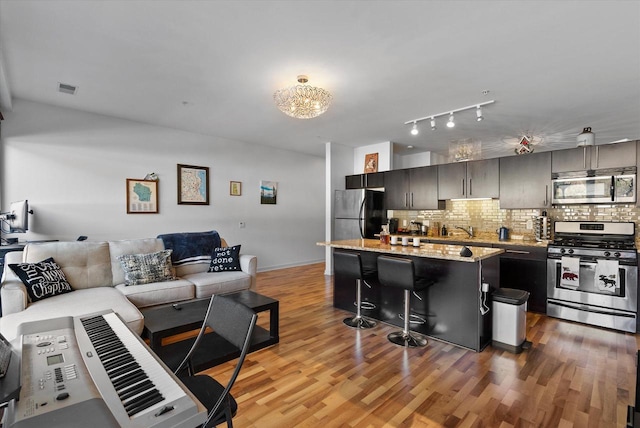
(450, 123)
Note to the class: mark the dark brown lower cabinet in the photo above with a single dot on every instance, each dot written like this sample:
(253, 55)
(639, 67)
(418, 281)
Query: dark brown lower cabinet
(525, 268)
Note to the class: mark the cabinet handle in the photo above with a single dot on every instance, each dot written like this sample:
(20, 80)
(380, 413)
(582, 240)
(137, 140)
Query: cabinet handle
(584, 157)
(406, 199)
(463, 187)
(517, 252)
(364, 180)
(546, 195)
(470, 187)
(597, 156)
(411, 199)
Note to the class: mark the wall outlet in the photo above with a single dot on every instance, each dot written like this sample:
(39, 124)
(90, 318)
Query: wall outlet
(485, 287)
(529, 224)
(242, 224)
(404, 223)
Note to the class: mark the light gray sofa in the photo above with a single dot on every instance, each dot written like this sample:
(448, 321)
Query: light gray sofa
(97, 278)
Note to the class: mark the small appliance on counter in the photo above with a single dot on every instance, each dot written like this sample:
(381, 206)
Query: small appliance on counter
(393, 225)
(503, 234)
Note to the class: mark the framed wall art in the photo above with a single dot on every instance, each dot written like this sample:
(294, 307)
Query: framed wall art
(235, 188)
(193, 185)
(268, 192)
(142, 196)
(371, 163)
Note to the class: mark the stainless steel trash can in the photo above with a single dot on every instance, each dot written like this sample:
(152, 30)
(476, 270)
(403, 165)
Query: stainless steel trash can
(510, 319)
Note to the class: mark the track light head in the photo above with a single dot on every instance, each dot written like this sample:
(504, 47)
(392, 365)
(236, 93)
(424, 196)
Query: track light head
(414, 130)
(451, 123)
(479, 116)
(433, 124)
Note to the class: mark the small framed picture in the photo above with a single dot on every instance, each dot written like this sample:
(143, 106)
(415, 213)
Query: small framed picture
(193, 185)
(268, 192)
(235, 188)
(371, 163)
(142, 196)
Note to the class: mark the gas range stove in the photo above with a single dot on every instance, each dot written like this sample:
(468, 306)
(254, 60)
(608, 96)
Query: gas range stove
(594, 240)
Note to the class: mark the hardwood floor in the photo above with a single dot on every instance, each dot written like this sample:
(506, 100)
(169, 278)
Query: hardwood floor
(324, 374)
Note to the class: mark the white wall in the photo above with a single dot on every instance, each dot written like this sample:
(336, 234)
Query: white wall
(339, 162)
(72, 167)
(385, 154)
(414, 160)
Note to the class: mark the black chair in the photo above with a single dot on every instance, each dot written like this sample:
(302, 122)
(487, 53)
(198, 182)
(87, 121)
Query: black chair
(350, 265)
(400, 273)
(234, 322)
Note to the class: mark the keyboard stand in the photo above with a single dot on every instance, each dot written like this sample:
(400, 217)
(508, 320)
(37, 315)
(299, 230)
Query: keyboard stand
(10, 383)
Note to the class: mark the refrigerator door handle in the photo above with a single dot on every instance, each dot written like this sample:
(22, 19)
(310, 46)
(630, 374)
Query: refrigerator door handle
(361, 218)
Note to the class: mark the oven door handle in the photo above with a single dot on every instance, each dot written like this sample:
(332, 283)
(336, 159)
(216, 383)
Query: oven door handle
(589, 309)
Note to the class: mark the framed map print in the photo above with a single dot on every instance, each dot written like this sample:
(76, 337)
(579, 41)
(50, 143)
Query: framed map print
(142, 196)
(193, 185)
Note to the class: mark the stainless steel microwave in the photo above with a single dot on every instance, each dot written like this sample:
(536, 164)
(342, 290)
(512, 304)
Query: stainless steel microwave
(599, 189)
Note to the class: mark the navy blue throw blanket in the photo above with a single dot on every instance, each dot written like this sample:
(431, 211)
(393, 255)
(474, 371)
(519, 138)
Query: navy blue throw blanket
(191, 247)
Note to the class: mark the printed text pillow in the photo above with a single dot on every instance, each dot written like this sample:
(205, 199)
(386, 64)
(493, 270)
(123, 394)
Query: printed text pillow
(43, 279)
(225, 259)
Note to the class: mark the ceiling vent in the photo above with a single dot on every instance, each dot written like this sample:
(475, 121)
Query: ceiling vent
(67, 89)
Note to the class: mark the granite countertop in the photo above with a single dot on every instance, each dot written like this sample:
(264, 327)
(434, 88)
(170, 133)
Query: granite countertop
(434, 251)
(487, 240)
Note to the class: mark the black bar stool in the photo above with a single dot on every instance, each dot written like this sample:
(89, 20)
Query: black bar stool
(350, 265)
(400, 273)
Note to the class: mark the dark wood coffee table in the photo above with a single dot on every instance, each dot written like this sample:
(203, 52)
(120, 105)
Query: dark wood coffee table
(164, 321)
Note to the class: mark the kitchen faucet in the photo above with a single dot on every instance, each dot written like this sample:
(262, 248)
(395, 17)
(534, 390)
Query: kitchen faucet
(469, 232)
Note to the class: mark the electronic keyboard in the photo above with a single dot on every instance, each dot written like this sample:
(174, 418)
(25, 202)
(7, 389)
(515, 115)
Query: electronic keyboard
(93, 371)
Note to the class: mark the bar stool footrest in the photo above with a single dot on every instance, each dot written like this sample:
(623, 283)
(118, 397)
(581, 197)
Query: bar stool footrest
(367, 306)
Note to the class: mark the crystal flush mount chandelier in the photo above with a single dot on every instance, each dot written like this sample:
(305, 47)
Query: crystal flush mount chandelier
(302, 101)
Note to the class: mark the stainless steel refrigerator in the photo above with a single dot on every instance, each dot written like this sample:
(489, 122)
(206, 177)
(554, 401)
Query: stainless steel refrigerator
(358, 214)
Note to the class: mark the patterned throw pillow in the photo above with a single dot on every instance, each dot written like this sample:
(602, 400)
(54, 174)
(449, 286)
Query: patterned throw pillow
(225, 259)
(43, 279)
(147, 268)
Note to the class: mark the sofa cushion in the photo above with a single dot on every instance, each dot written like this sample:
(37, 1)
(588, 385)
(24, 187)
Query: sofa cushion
(225, 259)
(130, 246)
(207, 284)
(157, 293)
(86, 264)
(146, 268)
(43, 279)
(80, 302)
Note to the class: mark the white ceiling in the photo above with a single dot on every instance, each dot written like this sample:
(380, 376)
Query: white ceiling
(211, 67)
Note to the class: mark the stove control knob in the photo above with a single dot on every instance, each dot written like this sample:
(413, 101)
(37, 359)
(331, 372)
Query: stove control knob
(570, 250)
(607, 254)
(562, 251)
(616, 254)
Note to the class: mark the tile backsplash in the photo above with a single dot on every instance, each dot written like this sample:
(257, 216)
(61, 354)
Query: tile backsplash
(486, 216)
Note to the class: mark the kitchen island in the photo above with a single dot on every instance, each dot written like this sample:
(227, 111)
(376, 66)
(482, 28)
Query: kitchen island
(449, 310)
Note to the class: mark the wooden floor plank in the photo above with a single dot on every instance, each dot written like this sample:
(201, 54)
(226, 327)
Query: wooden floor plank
(324, 374)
